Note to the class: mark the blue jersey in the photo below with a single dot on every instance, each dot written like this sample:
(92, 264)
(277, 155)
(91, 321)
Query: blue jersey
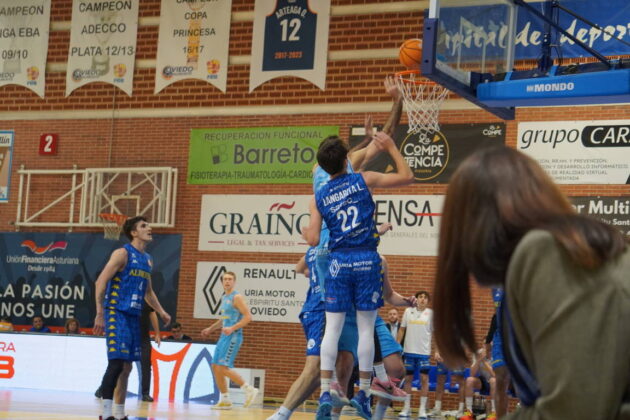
(346, 206)
(314, 300)
(497, 297)
(228, 313)
(321, 178)
(127, 289)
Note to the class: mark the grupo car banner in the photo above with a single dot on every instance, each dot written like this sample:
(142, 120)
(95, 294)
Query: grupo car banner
(579, 152)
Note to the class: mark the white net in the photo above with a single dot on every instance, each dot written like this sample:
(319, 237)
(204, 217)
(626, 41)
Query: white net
(422, 100)
(112, 225)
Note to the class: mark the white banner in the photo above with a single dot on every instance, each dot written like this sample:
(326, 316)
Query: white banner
(272, 223)
(579, 152)
(193, 42)
(290, 38)
(273, 292)
(102, 43)
(24, 28)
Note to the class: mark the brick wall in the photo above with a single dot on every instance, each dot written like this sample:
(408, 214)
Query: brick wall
(146, 141)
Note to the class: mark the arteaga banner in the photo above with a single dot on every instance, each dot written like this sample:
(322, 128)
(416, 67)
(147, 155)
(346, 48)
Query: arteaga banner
(6, 155)
(53, 274)
(273, 223)
(102, 44)
(612, 210)
(193, 42)
(273, 292)
(579, 152)
(290, 38)
(433, 157)
(181, 371)
(24, 26)
(257, 155)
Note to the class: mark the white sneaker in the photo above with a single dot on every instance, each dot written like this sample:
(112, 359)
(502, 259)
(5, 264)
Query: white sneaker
(435, 412)
(423, 415)
(250, 396)
(275, 416)
(222, 405)
(404, 413)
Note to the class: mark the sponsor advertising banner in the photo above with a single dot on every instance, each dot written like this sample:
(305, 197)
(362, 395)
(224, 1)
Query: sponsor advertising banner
(181, 371)
(613, 210)
(193, 42)
(434, 157)
(259, 155)
(273, 292)
(290, 38)
(24, 26)
(102, 44)
(272, 223)
(6, 154)
(579, 152)
(53, 274)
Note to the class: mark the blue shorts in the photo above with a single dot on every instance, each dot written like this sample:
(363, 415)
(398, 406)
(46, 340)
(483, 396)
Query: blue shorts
(497, 351)
(354, 277)
(388, 345)
(416, 363)
(122, 332)
(443, 370)
(313, 324)
(227, 349)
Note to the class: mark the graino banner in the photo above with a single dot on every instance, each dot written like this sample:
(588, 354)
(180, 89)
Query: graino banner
(262, 155)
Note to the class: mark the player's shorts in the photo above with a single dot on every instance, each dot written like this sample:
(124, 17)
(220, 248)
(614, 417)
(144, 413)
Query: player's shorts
(485, 385)
(443, 370)
(314, 323)
(354, 277)
(227, 348)
(388, 345)
(497, 351)
(416, 363)
(122, 332)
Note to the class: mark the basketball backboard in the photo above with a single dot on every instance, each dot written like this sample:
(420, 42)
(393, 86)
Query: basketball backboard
(501, 54)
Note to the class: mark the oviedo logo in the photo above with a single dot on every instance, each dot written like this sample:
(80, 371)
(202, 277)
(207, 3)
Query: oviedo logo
(39, 250)
(427, 154)
(213, 289)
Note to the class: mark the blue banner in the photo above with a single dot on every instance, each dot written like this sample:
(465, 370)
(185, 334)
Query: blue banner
(53, 274)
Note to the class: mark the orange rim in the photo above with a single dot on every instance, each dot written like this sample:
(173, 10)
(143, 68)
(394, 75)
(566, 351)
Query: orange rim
(402, 75)
(119, 219)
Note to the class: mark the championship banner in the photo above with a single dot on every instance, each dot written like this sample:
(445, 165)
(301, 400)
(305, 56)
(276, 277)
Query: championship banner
(290, 39)
(434, 158)
(612, 210)
(53, 274)
(193, 42)
(6, 155)
(257, 155)
(102, 43)
(273, 292)
(24, 28)
(579, 152)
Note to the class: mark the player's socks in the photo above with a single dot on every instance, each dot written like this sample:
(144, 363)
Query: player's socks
(119, 410)
(364, 384)
(379, 411)
(107, 408)
(325, 385)
(469, 402)
(379, 370)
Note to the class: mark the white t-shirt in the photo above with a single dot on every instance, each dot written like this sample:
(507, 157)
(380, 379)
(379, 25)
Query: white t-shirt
(419, 325)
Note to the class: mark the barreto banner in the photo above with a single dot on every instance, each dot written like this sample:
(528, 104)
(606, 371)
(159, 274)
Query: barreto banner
(579, 152)
(102, 44)
(193, 42)
(255, 155)
(6, 154)
(290, 38)
(24, 26)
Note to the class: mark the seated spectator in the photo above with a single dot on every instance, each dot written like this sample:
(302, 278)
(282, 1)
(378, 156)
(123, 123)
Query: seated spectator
(73, 327)
(177, 334)
(38, 325)
(5, 324)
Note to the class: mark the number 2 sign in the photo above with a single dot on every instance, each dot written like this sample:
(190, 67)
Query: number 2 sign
(48, 144)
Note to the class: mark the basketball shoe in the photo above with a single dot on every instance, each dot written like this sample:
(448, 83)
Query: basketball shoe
(361, 402)
(325, 407)
(339, 398)
(222, 405)
(468, 415)
(250, 395)
(387, 389)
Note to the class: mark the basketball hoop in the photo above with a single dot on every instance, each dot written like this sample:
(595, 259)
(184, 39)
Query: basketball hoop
(422, 98)
(112, 225)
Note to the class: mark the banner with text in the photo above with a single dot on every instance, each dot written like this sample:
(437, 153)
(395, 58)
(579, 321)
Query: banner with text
(433, 158)
(193, 42)
(53, 274)
(6, 155)
(612, 210)
(272, 223)
(579, 152)
(24, 48)
(290, 38)
(255, 155)
(273, 292)
(102, 44)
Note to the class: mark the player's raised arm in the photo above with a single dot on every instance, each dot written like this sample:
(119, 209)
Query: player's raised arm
(311, 232)
(403, 174)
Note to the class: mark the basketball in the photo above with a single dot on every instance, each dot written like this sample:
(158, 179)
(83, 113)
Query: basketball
(410, 53)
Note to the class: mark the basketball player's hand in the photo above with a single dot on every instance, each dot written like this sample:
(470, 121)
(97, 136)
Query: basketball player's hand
(205, 333)
(438, 358)
(227, 330)
(391, 88)
(411, 300)
(99, 325)
(369, 128)
(166, 318)
(384, 141)
(383, 228)
(158, 339)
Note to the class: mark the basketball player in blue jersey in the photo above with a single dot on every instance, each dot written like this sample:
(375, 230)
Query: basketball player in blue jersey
(234, 315)
(121, 290)
(498, 362)
(354, 276)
